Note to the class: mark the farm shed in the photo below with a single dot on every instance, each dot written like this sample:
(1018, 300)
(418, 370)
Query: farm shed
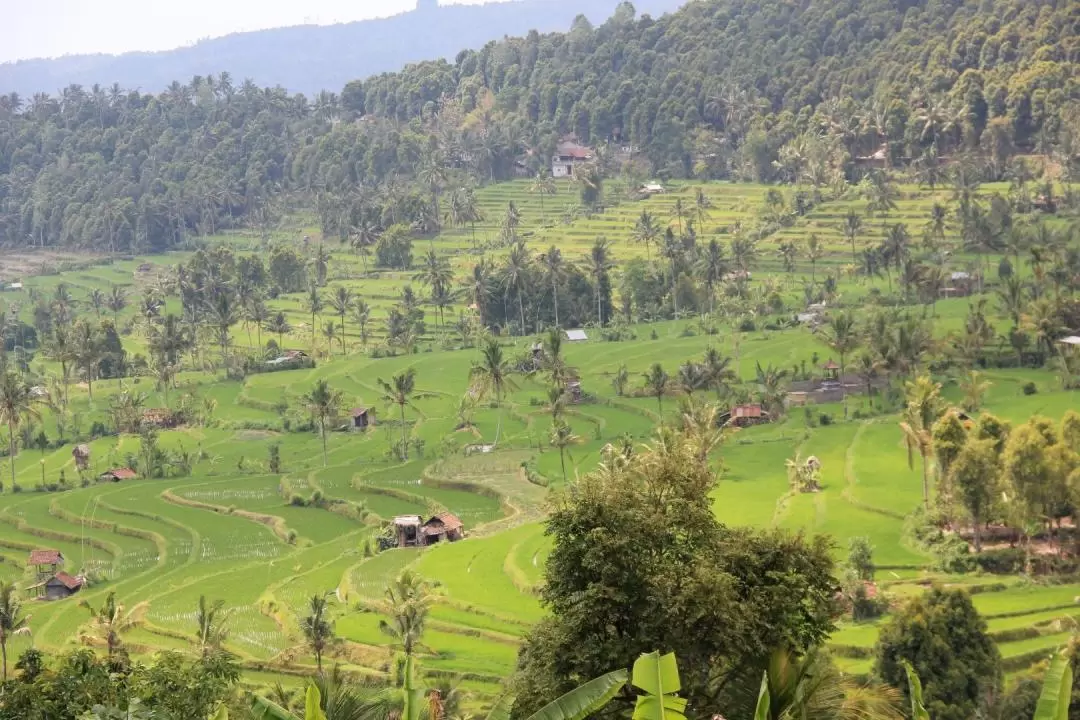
(443, 526)
(745, 416)
(45, 562)
(117, 474)
(363, 418)
(81, 454)
(1071, 341)
(576, 335)
(57, 587)
(407, 530)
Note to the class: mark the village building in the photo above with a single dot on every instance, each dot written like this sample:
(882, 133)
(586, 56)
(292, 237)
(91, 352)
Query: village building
(832, 371)
(569, 156)
(57, 587)
(117, 474)
(45, 562)
(412, 531)
(745, 416)
(81, 455)
(363, 418)
(576, 335)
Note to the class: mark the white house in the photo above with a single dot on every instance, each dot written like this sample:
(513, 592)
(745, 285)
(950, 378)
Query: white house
(569, 155)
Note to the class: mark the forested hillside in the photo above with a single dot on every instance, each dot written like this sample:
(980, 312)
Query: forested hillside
(760, 90)
(313, 58)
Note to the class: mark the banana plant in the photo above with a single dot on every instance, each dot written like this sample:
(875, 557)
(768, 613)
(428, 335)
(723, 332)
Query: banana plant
(658, 676)
(1056, 690)
(263, 709)
(918, 711)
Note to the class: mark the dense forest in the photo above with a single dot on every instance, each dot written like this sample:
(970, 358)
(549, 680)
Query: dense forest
(312, 58)
(768, 91)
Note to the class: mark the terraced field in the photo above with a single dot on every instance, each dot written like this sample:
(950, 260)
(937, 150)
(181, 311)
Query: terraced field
(234, 530)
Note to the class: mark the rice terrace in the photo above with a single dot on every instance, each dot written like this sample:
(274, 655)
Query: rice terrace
(500, 381)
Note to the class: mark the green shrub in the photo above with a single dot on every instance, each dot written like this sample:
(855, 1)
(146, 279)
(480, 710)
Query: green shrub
(1029, 388)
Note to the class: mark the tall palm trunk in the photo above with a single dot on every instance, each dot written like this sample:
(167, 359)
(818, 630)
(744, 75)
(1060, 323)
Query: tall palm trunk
(555, 299)
(498, 422)
(404, 437)
(11, 452)
(521, 311)
(926, 481)
(322, 431)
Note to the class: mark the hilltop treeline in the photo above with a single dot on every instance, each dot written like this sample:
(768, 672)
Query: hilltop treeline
(763, 90)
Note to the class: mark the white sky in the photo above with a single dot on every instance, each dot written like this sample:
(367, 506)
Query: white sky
(49, 28)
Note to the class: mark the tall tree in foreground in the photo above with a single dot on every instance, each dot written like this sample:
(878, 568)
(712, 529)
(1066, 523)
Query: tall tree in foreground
(323, 402)
(400, 391)
(941, 634)
(718, 597)
(317, 628)
(492, 376)
(12, 621)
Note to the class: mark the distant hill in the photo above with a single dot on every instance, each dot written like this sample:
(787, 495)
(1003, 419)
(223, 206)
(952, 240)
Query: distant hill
(311, 58)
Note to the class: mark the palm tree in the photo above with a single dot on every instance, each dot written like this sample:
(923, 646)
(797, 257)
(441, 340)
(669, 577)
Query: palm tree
(362, 315)
(712, 267)
(317, 629)
(620, 379)
(1043, 323)
(224, 312)
(851, 226)
(330, 332)
(400, 391)
(313, 304)
(110, 620)
(257, 313)
(646, 231)
(922, 411)
(279, 325)
(598, 264)
(770, 381)
(678, 214)
(16, 404)
(12, 621)
(211, 619)
(515, 272)
(562, 437)
(868, 366)
(341, 300)
(718, 372)
(97, 300)
(657, 382)
(814, 252)
(702, 204)
(492, 375)
(406, 602)
(842, 336)
(543, 184)
(323, 403)
(555, 268)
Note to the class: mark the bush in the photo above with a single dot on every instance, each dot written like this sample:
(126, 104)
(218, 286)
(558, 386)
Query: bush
(1029, 388)
(825, 419)
(747, 325)
(291, 537)
(297, 500)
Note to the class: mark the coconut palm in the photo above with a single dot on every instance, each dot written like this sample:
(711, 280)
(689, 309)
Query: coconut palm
(515, 274)
(657, 383)
(868, 366)
(279, 325)
(97, 300)
(646, 231)
(851, 227)
(718, 372)
(313, 304)
(317, 628)
(401, 391)
(109, 621)
(406, 603)
(16, 405)
(555, 269)
(598, 263)
(814, 252)
(711, 267)
(492, 375)
(842, 336)
(923, 409)
(362, 315)
(342, 300)
(562, 437)
(12, 621)
(543, 185)
(323, 402)
(257, 313)
(211, 619)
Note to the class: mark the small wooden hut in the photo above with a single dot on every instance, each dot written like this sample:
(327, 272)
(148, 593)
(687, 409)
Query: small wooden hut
(407, 530)
(117, 474)
(745, 416)
(443, 526)
(363, 418)
(57, 587)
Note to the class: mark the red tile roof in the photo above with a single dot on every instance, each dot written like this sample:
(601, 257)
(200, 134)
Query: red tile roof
(448, 521)
(831, 365)
(71, 583)
(45, 557)
(122, 473)
(746, 411)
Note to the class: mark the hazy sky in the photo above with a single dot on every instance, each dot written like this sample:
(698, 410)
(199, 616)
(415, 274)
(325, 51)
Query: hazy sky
(48, 28)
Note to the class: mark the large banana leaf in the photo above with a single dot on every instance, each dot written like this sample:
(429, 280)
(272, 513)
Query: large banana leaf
(263, 709)
(312, 701)
(761, 712)
(658, 676)
(500, 709)
(918, 712)
(583, 700)
(1056, 690)
(221, 714)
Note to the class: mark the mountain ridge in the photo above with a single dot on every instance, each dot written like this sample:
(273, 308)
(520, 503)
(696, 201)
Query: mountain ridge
(311, 58)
